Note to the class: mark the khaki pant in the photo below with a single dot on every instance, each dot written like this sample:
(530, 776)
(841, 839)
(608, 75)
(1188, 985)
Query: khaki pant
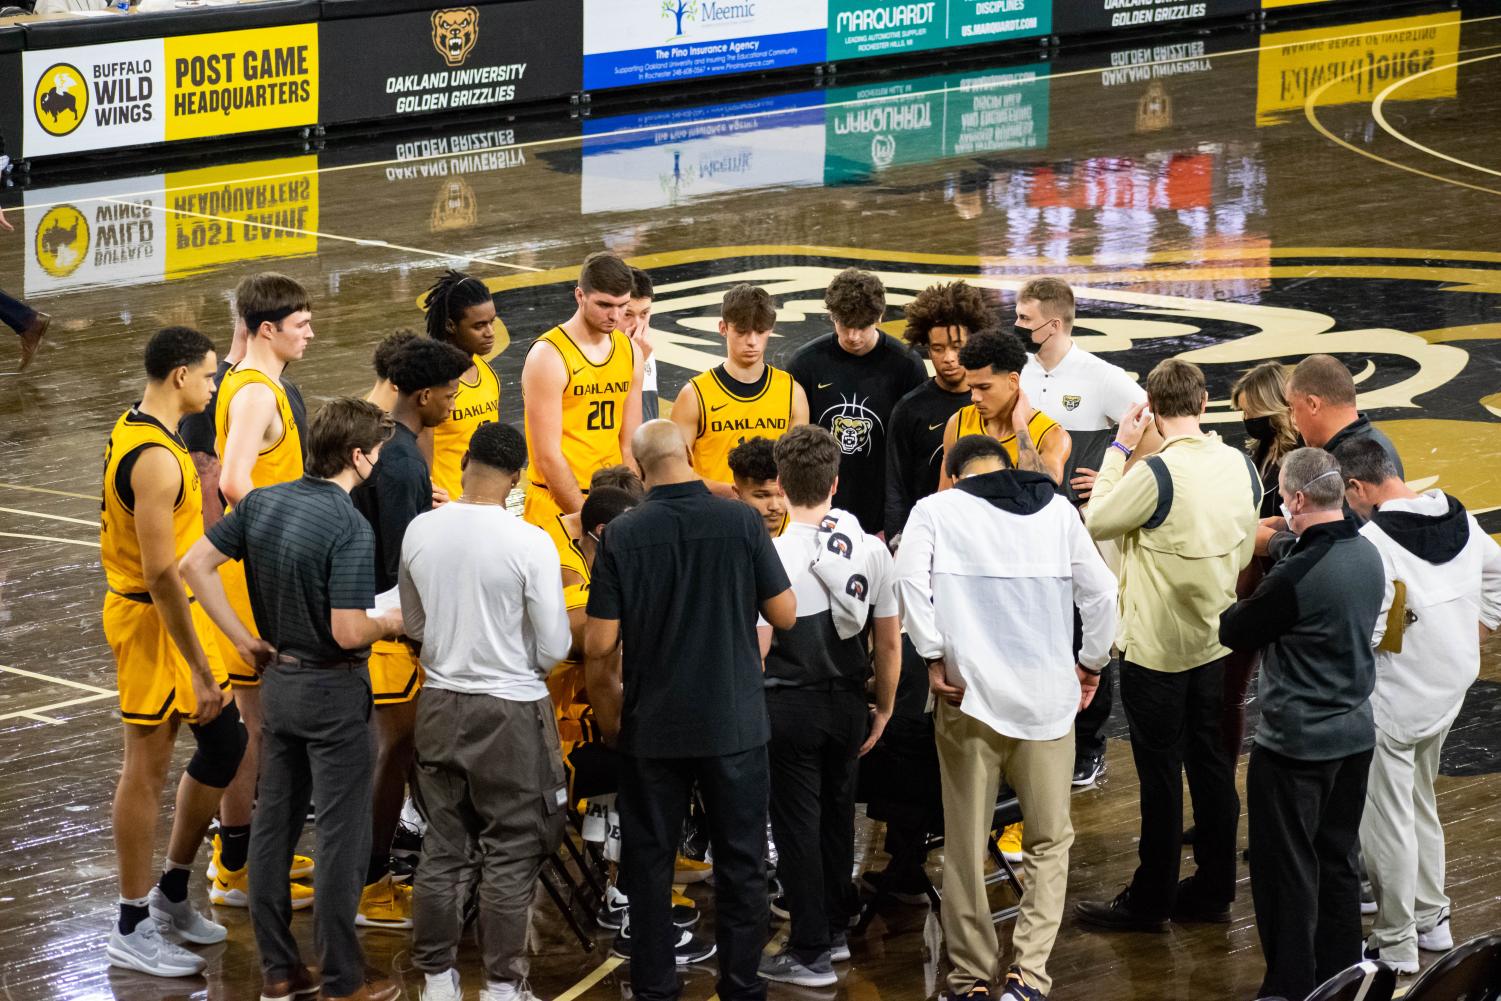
(1403, 843)
(972, 759)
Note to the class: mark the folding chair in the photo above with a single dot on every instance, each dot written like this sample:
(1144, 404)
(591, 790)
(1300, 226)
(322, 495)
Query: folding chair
(1365, 981)
(1471, 972)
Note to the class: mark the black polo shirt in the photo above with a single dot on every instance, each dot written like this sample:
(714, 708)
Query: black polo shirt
(306, 551)
(685, 573)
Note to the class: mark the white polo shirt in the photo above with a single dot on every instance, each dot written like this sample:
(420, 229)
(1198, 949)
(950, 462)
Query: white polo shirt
(1082, 392)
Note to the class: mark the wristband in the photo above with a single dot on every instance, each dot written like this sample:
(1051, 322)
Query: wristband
(1092, 672)
(1127, 452)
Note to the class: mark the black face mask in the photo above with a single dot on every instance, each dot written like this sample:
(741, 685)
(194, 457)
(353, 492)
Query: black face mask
(1025, 336)
(1260, 428)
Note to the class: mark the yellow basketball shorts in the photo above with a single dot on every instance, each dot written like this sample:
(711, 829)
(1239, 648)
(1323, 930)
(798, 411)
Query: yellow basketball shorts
(153, 676)
(395, 673)
(541, 510)
(232, 575)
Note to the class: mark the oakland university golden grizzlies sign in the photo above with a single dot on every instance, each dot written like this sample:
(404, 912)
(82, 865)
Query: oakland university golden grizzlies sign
(1417, 328)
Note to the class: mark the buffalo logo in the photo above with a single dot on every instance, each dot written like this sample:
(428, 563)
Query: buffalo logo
(455, 31)
(1070, 403)
(61, 99)
(839, 544)
(62, 241)
(455, 207)
(857, 586)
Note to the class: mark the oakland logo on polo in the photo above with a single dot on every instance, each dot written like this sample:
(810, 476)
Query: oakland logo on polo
(61, 99)
(62, 241)
(455, 32)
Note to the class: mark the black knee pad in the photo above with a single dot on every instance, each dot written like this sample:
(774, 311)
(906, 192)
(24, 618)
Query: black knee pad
(221, 745)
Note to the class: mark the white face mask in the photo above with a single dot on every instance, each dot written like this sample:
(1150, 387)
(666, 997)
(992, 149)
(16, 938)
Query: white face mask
(1287, 515)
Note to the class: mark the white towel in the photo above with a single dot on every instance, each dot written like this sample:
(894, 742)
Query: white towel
(840, 568)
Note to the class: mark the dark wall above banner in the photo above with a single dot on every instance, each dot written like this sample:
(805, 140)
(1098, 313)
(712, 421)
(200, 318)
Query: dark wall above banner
(452, 59)
(1087, 16)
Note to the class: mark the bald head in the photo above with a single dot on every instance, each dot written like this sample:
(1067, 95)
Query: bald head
(660, 451)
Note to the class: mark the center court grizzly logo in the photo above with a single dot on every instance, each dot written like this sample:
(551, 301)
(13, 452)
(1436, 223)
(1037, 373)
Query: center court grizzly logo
(455, 32)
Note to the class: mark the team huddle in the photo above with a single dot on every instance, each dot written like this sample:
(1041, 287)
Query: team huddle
(843, 581)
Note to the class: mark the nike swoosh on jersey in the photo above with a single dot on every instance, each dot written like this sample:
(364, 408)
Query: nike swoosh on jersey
(935, 427)
(719, 406)
(578, 370)
(824, 385)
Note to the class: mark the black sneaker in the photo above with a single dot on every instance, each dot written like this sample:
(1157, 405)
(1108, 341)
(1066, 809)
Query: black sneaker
(1018, 990)
(613, 910)
(1192, 908)
(407, 841)
(687, 951)
(1087, 770)
(903, 887)
(1117, 915)
(979, 992)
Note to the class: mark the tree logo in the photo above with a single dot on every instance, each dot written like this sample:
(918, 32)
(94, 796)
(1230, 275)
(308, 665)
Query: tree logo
(679, 11)
(61, 100)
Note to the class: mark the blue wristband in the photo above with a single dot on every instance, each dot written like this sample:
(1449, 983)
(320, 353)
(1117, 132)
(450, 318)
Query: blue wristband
(1127, 452)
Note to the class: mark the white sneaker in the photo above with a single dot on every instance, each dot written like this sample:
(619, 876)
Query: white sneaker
(1439, 938)
(182, 921)
(145, 950)
(493, 991)
(443, 987)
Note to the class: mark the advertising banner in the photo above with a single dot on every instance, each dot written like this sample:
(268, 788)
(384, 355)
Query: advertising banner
(652, 41)
(156, 90)
(1350, 63)
(450, 59)
(873, 128)
(1083, 16)
(163, 226)
(666, 158)
(861, 28)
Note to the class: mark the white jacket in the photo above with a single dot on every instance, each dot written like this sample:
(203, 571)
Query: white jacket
(1420, 690)
(988, 575)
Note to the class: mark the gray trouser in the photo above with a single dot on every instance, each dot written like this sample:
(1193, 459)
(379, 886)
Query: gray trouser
(490, 784)
(1403, 842)
(315, 740)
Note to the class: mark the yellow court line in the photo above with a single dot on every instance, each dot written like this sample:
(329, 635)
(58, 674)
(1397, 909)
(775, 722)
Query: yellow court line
(564, 140)
(1313, 119)
(67, 682)
(1378, 112)
(53, 517)
(594, 977)
(27, 713)
(49, 490)
(48, 538)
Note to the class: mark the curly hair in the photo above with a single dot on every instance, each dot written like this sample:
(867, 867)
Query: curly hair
(957, 304)
(855, 298)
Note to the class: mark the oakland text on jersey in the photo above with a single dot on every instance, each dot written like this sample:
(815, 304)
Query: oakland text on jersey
(748, 424)
(596, 388)
(477, 410)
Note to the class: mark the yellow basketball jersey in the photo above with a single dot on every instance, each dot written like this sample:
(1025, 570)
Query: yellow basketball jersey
(970, 422)
(565, 684)
(593, 405)
(279, 462)
(572, 558)
(478, 403)
(725, 418)
(119, 548)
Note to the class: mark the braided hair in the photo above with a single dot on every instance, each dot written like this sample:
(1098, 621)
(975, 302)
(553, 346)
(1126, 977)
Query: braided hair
(448, 299)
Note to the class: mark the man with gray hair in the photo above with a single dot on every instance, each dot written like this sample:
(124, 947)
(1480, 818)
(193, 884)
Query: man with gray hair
(1314, 616)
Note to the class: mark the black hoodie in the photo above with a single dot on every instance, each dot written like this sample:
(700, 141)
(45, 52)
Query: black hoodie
(1435, 539)
(1018, 491)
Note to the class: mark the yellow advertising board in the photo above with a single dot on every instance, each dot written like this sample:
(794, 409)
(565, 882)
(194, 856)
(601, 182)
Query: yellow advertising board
(240, 81)
(1356, 62)
(223, 215)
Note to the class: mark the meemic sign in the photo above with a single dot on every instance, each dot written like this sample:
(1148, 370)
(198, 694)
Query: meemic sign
(633, 42)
